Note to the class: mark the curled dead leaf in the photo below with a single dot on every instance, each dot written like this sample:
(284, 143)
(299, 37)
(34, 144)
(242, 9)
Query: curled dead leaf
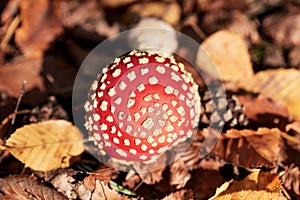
(234, 21)
(291, 179)
(40, 26)
(102, 191)
(264, 112)
(229, 54)
(283, 28)
(280, 84)
(46, 145)
(179, 174)
(181, 194)
(26, 188)
(249, 148)
(13, 74)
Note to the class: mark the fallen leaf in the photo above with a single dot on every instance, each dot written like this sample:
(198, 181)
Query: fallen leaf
(46, 145)
(250, 194)
(103, 174)
(283, 28)
(280, 84)
(179, 174)
(273, 56)
(88, 16)
(40, 26)
(151, 173)
(291, 179)
(181, 194)
(250, 149)
(49, 110)
(102, 191)
(64, 181)
(170, 12)
(10, 10)
(218, 5)
(234, 21)
(227, 53)
(257, 185)
(264, 112)
(115, 3)
(294, 58)
(22, 187)
(13, 75)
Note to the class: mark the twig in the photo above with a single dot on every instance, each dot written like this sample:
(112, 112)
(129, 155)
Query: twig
(10, 32)
(17, 107)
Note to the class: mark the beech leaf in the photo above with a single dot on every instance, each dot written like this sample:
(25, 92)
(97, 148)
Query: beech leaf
(40, 26)
(279, 84)
(230, 56)
(249, 148)
(22, 187)
(46, 145)
(257, 185)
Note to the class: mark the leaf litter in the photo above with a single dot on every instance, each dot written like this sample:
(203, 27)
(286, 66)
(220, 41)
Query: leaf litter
(45, 42)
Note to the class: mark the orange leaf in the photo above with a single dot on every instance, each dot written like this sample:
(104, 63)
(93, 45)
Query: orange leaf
(40, 26)
(250, 149)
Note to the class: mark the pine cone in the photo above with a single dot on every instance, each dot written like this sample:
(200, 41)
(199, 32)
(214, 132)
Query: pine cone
(221, 110)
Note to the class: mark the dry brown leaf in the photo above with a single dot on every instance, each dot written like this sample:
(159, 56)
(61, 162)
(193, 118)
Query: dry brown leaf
(179, 173)
(181, 194)
(283, 28)
(280, 84)
(65, 181)
(12, 76)
(234, 21)
(102, 191)
(40, 26)
(250, 149)
(273, 56)
(291, 179)
(218, 5)
(115, 3)
(257, 185)
(294, 58)
(88, 16)
(229, 54)
(21, 187)
(250, 194)
(103, 174)
(264, 112)
(168, 11)
(46, 145)
(10, 10)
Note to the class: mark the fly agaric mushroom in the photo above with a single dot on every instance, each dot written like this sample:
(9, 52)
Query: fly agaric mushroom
(142, 104)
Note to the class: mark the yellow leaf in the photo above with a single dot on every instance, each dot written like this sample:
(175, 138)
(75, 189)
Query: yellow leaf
(279, 84)
(257, 185)
(46, 145)
(228, 53)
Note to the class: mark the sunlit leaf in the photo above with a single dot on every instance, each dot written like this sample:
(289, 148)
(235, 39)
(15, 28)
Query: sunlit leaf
(46, 145)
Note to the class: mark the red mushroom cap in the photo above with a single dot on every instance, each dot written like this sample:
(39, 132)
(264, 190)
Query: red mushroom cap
(141, 105)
